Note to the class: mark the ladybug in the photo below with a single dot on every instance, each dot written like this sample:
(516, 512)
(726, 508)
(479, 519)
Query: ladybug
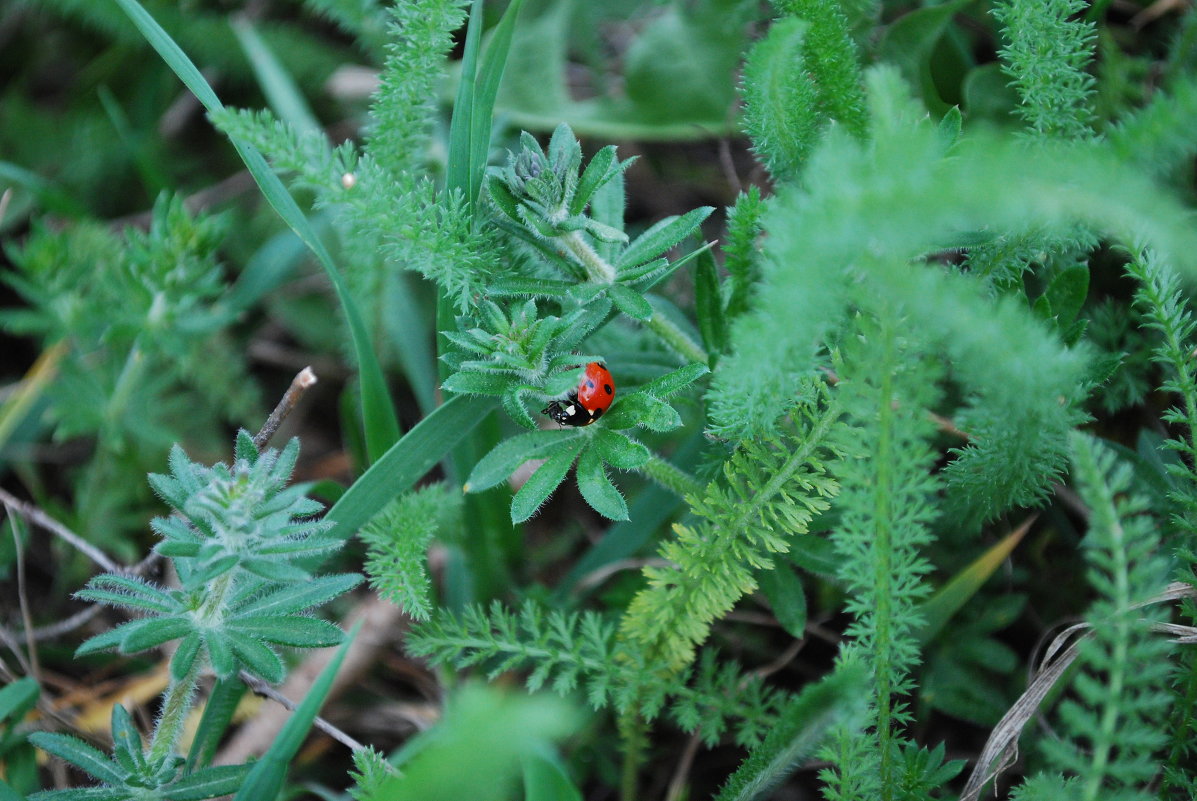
(587, 403)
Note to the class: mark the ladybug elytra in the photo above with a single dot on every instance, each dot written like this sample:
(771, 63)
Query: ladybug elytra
(583, 406)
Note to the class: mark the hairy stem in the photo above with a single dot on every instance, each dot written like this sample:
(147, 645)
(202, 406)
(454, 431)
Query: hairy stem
(671, 477)
(598, 270)
(676, 339)
(633, 729)
(175, 709)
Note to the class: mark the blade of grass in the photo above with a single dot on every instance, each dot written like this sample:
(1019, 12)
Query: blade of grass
(266, 777)
(940, 607)
(469, 142)
(378, 412)
(280, 89)
(407, 461)
(461, 127)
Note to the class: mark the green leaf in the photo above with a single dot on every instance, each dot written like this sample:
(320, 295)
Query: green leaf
(783, 588)
(545, 778)
(128, 747)
(108, 639)
(630, 302)
(221, 656)
(508, 455)
(293, 630)
(675, 380)
(602, 168)
(661, 236)
(539, 287)
(407, 461)
(84, 794)
(185, 654)
(378, 411)
(275, 570)
(597, 489)
(218, 714)
(708, 305)
(281, 92)
(255, 657)
(162, 629)
(288, 600)
(470, 128)
(267, 774)
(513, 404)
(910, 41)
(939, 608)
(18, 698)
(476, 383)
(83, 756)
(1064, 295)
(620, 451)
(208, 783)
(547, 478)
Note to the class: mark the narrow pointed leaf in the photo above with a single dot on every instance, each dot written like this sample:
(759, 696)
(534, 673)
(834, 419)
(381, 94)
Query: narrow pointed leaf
(407, 461)
(163, 630)
(218, 714)
(289, 600)
(255, 657)
(209, 783)
(547, 478)
(597, 489)
(292, 630)
(508, 455)
(83, 756)
(630, 302)
(661, 237)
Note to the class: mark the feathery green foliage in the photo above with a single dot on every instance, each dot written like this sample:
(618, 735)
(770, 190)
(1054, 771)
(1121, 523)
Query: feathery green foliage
(1114, 722)
(568, 651)
(397, 540)
(1046, 55)
(885, 501)
(779, 100)
(769, 492)
(1160, 300)
(830, 55)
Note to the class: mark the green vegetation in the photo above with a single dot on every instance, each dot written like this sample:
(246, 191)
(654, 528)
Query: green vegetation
(895, 300)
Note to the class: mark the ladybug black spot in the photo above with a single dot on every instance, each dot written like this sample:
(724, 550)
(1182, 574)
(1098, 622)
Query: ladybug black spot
(608, 389)
(596, 414)
(590, 384)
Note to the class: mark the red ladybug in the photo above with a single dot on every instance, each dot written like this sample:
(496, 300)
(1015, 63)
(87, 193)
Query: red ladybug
(587, 403)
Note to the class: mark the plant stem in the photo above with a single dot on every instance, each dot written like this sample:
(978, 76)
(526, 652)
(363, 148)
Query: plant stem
(676, 339)
(175, 708)
(671, 477)
(883, 544)
(633, 729)
(598, 270)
